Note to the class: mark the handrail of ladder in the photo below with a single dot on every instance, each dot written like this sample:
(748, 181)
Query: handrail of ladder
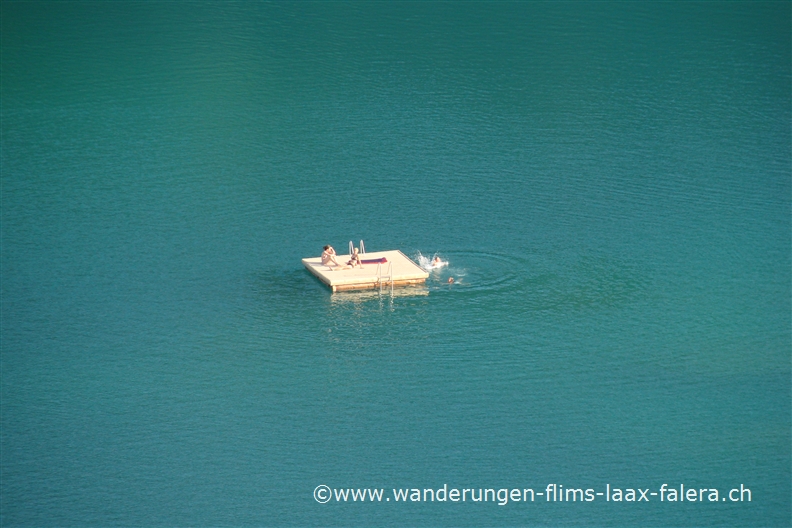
(390, 274)
(362, 247)
(380, 276)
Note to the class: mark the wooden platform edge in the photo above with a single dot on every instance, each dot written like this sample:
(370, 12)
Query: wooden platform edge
(313, 272)
(376, 284)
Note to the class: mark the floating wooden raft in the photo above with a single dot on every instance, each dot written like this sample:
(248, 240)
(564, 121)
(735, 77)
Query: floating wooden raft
(380, 268)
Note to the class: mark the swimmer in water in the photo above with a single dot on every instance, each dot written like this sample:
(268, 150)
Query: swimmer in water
(450, 280)
(436, 262)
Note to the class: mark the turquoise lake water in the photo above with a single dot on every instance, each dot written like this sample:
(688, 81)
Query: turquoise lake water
(610, 183)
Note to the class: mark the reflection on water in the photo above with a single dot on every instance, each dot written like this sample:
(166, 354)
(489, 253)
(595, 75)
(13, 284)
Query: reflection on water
(363, 296)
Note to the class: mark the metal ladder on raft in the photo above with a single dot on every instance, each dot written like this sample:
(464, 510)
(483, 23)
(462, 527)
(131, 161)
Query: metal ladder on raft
(380, 276)
(389, 276)
(362, 248)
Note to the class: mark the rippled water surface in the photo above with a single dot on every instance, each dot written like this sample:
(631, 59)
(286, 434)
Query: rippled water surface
(608, 182)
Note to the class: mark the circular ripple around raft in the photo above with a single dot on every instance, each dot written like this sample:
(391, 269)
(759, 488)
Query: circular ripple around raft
(480, 271)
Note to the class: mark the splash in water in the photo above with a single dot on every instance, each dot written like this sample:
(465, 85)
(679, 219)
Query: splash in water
(430, 264)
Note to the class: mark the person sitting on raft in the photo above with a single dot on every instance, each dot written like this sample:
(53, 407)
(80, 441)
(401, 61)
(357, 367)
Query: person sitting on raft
(328, 256)
(355, 259)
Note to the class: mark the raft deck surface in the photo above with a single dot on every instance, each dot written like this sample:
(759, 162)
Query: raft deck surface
(404, 271)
